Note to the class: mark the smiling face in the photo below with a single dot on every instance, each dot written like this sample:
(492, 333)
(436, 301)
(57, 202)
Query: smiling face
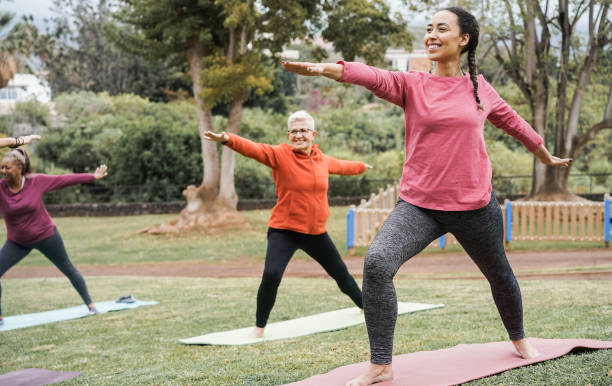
(11, 170)
(444, 40)
(301, 138)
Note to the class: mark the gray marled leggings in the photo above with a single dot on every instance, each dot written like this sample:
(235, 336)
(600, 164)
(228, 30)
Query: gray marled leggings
(407, 231)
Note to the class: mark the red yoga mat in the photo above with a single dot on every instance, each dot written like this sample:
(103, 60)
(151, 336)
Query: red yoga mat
(459, 364)
(35, 377)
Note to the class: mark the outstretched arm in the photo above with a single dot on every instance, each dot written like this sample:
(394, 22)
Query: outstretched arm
(260, 152)
(14, 142)
(548, 159)
(344, 167)
(329, 70)
(49, 183)
(388, 85)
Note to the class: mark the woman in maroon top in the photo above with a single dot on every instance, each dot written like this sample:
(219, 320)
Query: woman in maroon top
(28, 223)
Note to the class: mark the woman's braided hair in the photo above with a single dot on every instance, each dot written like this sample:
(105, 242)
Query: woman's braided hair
(469, 25)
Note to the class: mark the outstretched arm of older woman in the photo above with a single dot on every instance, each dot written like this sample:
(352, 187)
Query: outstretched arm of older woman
(221, 137)
(329, 70)
(548, 159)
(14, 142)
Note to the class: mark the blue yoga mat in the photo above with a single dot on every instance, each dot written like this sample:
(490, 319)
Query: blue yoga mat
(30, 320)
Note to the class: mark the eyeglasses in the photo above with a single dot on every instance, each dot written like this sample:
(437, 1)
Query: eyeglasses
(298, 131)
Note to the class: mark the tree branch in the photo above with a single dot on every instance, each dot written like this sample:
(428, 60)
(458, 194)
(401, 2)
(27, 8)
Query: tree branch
(579, 13)
(512, 27)
(231, 48)
(608, 109)
(580, 140)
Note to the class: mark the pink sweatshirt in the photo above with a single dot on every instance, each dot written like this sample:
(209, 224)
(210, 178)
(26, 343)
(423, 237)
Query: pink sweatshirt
(27, 220)
(447, 167)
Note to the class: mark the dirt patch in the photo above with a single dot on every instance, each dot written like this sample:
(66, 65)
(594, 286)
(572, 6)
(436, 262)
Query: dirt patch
(526, 264)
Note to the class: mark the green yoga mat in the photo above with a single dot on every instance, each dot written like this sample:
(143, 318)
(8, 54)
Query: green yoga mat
(30, 320)
(327, 321)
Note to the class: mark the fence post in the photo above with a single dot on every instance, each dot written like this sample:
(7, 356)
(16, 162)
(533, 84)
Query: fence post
(350, 230)
(441, 242)
(508, 223)
(607, 220)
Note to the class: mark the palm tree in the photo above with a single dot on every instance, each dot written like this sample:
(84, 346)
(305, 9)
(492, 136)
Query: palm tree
(7, 62)
(7, 68)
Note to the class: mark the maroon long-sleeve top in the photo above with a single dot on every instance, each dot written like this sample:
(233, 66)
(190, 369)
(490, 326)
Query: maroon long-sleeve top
(27, 220)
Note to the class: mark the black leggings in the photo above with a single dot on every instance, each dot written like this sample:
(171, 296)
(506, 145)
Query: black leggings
(53, 249)
(407, 231)
(282, 244)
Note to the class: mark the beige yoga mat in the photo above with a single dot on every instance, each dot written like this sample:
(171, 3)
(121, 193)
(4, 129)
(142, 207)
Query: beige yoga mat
(327, 321)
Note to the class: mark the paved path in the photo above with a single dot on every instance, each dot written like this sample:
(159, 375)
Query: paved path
(526, 264)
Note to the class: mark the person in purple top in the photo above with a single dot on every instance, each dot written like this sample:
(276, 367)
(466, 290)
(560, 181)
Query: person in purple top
(28, 223)
(446, 179)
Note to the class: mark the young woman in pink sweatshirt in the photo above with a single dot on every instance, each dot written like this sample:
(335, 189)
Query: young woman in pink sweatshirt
(446, 179)
(28, 224)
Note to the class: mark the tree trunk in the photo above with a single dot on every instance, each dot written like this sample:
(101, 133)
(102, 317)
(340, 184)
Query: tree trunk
(227, 193)
(568, 142)
(206, 210)
(539, 113)
(554, 187)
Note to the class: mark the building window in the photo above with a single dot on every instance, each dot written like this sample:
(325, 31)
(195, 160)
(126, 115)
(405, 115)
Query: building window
(8, 94)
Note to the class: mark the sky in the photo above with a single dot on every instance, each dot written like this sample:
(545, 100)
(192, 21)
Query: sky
(40, 9)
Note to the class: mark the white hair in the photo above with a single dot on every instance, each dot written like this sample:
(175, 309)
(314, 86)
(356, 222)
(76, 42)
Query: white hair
(302, 115)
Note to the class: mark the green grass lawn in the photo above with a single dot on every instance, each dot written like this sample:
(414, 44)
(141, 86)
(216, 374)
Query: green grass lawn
(115, 240)
(140, 346)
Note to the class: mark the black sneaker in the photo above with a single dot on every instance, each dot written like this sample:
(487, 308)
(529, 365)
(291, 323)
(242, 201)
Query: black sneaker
(126, 299)
(93, 311)
(1, 322)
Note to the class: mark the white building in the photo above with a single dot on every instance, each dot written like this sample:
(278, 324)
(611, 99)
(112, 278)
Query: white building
(24, 87)
(403, 60)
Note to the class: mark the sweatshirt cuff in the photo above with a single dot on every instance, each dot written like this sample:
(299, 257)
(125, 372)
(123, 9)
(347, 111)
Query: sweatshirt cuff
(342, 62)
(363, 168)
(230, 141)
(533, 146)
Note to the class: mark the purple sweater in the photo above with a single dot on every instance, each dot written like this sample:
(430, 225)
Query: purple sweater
(447, 167)
(27, 220)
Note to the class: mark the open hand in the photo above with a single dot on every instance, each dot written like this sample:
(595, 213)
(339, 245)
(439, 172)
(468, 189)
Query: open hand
(221, 138)
(548, 159)
(556, 161)
(304, 68)
(29, 138)
(100, 172)
(368, 166)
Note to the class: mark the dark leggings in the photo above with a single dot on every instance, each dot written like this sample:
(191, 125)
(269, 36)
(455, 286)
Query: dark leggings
(407, 231)
(53, 249)
(282, 244)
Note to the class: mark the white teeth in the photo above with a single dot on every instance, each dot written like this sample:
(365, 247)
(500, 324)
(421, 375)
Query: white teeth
(431, 46)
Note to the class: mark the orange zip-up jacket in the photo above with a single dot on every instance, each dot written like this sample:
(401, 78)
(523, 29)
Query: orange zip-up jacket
(301, 182)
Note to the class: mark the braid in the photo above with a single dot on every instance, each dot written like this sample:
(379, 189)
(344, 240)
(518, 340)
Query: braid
(473, 69)
(469, 25)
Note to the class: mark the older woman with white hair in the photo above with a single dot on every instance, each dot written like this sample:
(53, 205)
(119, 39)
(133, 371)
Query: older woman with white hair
(298, 220)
